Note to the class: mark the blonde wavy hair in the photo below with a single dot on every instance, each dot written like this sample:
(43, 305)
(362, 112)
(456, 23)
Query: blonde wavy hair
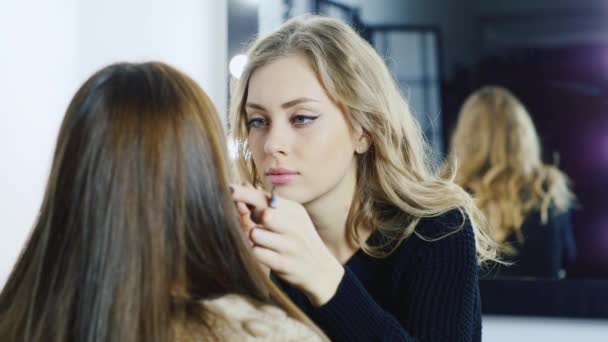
(395, 184)
(499, 161)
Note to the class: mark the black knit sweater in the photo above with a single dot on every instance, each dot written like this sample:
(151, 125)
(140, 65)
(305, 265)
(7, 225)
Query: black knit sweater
(547, 248)
(424, 291)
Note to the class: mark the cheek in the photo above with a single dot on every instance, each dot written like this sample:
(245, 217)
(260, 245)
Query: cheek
(255, 140)
(256, 147)
(329, 144)
(327, 153)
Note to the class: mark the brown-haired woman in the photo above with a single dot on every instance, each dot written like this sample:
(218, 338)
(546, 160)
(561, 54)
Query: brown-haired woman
(138, 238)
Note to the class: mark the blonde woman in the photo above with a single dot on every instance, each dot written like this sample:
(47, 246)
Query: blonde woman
(356, 229)
(137, 239)
(526, 202)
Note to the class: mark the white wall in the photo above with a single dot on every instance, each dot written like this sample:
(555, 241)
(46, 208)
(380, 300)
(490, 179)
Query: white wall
(48, 48)
(534, 329)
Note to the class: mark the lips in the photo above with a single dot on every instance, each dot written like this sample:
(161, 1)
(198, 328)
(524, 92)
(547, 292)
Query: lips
(279, 176)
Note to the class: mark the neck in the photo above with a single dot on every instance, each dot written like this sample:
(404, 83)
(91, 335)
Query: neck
(329, 213)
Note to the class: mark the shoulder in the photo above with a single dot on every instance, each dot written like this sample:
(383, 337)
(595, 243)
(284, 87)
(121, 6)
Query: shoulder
(556, 217)
(237, 317)
(453, 222)
(452, 230)
(447, 238)
(559, 215)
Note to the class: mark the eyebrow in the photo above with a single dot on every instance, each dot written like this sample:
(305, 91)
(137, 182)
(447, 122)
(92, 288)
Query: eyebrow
(284, 105)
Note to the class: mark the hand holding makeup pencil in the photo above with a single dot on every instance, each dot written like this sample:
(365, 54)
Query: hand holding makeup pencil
(286, 241)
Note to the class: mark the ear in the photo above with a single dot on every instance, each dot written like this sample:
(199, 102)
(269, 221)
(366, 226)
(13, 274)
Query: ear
(362, 140)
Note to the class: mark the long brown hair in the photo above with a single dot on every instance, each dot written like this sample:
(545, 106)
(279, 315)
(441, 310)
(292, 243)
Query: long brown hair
(137, 222)
(499, 160)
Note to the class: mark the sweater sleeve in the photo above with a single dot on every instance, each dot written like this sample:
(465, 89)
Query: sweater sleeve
(436, 296)
(443, 291)
(352, 315)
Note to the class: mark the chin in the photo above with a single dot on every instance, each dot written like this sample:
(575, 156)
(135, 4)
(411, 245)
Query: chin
(295, 194)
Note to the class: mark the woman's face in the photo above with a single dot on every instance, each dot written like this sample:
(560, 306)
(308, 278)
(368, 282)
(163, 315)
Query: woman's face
(299, 139)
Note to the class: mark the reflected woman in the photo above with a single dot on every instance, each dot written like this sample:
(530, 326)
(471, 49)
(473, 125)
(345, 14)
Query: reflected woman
(526, 202)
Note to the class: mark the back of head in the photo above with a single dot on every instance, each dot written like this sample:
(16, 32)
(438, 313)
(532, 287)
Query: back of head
(137, 222)
(393, 176)
(499, 159)
(495, 131)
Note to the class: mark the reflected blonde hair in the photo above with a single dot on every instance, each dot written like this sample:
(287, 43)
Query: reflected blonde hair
(499, 160)
(395, 185)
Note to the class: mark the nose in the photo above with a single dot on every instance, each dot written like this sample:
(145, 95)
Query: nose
(277, 141)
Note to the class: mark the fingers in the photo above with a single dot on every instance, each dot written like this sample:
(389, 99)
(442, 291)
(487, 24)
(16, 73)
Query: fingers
(269, 240)
(278, 221)
(245, 220)
(250, 195)
(243, 209)
(271, 259)
(245, 216)
(256, 204)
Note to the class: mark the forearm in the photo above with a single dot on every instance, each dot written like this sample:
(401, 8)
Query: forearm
(353, 315)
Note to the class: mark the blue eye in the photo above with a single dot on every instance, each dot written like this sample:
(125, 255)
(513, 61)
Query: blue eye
(302, 120)
(256, 123)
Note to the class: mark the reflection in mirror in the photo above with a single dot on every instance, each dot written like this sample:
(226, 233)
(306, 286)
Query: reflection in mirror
(526, 202)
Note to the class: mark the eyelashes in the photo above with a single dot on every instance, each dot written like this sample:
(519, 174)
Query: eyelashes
(298, 120)
(256, 123)
(303, 119)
